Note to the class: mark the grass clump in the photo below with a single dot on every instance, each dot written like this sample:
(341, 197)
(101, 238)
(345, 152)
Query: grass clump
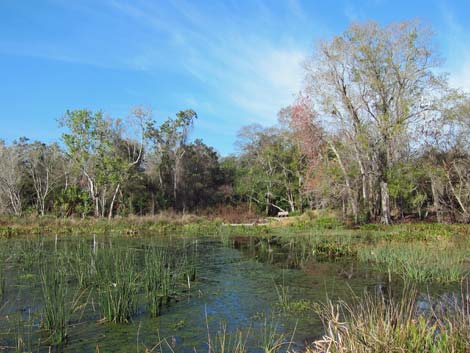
(373, 323)
(225, 342)
(117, 285)
(157, 279)
(81, 264)
(56, 309)
(420, 262)
(2, 282)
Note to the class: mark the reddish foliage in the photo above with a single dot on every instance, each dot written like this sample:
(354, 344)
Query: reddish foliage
(303, 120)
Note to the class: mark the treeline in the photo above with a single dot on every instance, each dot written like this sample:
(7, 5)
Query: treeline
(377, 133)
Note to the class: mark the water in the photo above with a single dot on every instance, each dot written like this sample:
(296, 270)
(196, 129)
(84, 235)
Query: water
(237, 286)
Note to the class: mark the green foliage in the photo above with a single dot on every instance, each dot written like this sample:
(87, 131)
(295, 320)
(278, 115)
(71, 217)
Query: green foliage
(73, 200)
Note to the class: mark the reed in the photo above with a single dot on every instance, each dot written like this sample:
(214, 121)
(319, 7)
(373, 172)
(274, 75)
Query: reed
(2, 279)
(81, 264)
(155, 279)
(117, 285)
(271, 340)
(56, 309)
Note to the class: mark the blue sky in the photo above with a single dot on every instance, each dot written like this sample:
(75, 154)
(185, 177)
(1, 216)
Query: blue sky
(234, 62)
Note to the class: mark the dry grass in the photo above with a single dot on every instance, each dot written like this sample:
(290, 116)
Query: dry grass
(373, 323)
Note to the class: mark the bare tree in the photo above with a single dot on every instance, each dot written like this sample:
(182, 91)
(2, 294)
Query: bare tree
(10, 177)
(44, 164)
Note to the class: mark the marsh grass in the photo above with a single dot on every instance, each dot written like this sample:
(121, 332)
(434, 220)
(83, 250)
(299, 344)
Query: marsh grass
(271, 339)
(30, 253)
(57, 309)
(420, 262)
(2, 279)
(117, 285)
(375, 323)
(81, 264)
(154, 279)
(283, 297)
(225, 342)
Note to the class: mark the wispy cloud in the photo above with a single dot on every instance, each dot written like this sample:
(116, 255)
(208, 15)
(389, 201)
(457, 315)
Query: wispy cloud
(456, 41)
(255, 73)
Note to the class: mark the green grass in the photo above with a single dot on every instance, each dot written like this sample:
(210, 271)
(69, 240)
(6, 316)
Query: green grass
(374, 323)
(420, 262)
(156, 279)
(56, 309)
(2, 277)
(117, 285)
(81, 264)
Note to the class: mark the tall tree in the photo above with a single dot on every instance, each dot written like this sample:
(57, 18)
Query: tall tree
(375, 86)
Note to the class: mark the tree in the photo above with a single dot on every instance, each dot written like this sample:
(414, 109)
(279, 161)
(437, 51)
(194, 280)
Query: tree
(44, 165)
(271, 168)
(11, 176)
(169, 141)
(374, 88)
(201, 178)
(102, 152)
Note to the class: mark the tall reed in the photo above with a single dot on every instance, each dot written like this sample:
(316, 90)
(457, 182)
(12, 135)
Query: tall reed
(155, 279)
(2, 278)
(117, 285)
(81, 264)
(56, 309)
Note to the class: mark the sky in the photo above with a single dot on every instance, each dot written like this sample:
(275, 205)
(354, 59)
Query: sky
(234, 62)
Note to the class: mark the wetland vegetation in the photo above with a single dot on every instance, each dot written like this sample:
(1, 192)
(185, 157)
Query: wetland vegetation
(129, 236)
(217, 288)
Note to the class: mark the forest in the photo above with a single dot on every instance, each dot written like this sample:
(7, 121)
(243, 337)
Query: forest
(377, 133)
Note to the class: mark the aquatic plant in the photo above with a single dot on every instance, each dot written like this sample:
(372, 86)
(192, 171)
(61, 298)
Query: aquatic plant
(271, 340)
(81, 264)
(374, 323)
(56, 309)
(117, 285)
(225, 342)
(283, 297)
(2, 278)
(420, 262)
(156, 279)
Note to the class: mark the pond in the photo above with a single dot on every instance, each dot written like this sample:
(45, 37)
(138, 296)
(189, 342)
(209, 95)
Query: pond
(251, 291)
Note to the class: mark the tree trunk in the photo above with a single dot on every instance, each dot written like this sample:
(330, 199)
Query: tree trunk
(349, 190)
(111, 206)
(385, 203)
(435, 200)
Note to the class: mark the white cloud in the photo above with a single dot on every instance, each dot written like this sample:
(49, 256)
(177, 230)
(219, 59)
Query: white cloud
(248, 69)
